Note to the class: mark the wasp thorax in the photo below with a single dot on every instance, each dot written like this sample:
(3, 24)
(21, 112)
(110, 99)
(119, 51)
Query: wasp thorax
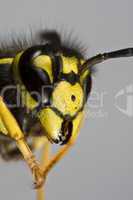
(67, 98)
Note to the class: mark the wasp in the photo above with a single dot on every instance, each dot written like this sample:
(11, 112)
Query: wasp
(44, 87)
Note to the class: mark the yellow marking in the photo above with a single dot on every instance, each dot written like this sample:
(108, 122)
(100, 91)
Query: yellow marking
(83, 76)
(15, 67)
(70, 64)
(6, 60)
(3, 128)
(62, 98)
(82, 61)
(50, 122)
(10, 122)
(44, 62)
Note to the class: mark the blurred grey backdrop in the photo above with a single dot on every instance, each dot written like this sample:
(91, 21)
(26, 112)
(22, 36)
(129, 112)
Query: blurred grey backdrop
(100, 165)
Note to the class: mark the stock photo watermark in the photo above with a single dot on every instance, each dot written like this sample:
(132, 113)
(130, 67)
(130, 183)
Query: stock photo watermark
(96, 107)
(127, 94)
(122, 101)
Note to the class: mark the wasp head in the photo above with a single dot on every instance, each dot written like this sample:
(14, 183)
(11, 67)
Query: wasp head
(55, 67)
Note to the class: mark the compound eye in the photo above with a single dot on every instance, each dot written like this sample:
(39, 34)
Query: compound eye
(34, 78)
(87, 85)
(44, 62)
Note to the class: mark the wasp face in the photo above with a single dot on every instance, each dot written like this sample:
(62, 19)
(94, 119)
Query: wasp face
(65, 91)
(61, 118)
(59, 130)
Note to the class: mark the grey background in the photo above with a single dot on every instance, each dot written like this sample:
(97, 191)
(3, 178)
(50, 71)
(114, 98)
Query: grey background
(100, 165)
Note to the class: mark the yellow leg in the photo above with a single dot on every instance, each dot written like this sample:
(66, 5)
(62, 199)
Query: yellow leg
(44, 160)
(48, 165)
(16, 134)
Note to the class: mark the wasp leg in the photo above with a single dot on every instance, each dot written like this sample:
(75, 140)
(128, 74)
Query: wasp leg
(45, 154)
(16, 134)
(8, 149)
(59, 155)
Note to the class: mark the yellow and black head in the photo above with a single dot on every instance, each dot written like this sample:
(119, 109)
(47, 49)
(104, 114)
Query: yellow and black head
(51, 75)
(57, 81)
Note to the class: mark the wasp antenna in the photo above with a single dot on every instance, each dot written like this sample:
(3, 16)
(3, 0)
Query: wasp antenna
(120, 53)
(105, 56)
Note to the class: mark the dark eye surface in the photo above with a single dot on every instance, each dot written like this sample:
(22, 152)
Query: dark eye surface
(33, 77)
(87, 85)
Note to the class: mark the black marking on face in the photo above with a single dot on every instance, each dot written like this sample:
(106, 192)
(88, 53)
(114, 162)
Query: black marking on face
(65, 133)
(56, 67)
(71, 77)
